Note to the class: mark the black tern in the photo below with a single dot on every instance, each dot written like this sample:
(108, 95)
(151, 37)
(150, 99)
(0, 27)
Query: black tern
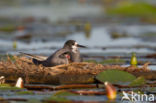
(69, 53)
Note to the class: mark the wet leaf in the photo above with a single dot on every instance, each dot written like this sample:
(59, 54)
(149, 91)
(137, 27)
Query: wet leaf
(138, 82)
(58, 99)
(64, 93)
(24, 93)
(60, 96)
(115, 76)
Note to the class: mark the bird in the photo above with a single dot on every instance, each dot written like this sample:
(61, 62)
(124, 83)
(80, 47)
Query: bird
(69, 53)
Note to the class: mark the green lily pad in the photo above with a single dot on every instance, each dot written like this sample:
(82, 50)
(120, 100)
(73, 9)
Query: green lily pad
(64, 93)
(58, 99)
(138, 82)
(60, 96)
(25, 93)
(115, 76)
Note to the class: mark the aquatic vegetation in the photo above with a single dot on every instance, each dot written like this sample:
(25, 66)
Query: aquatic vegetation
(150, 34)
(87, 29)
(75, 82)
(25, 93)
(64, 93)
(133, 9)
(116, 35)
(19, 83)
(68, 74)
(138, 82)
(14, 45)
(32, 100)
(71, 73)
(63, 74)
(8, 28)
(57, 99)
(134, 61)
(115, 76)
(111, 91)
(120, 77)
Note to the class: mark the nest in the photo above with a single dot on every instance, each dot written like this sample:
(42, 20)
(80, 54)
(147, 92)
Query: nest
(23, 67)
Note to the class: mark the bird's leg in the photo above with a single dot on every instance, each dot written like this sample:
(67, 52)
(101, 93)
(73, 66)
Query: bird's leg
(68, 58)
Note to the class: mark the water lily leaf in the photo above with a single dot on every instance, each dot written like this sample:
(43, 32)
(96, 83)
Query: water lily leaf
(57, 99)
(64, 93)
(60, 96)
(138, 82)
(25, 93)
(115, 76)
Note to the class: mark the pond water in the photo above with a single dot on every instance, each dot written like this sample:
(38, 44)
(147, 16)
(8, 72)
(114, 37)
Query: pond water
(99, 39)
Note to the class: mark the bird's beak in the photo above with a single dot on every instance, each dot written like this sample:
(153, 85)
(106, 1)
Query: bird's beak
(81, 46)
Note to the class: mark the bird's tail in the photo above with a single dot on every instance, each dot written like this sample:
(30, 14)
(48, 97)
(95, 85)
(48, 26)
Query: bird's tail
(36, 62)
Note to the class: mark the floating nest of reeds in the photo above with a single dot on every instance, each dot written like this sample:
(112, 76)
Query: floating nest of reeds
(83, 72)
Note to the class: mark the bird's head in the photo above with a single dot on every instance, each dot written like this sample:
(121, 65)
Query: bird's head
(72, 44)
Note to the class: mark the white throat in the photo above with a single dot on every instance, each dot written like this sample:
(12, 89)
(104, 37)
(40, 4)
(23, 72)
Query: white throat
(74, 48)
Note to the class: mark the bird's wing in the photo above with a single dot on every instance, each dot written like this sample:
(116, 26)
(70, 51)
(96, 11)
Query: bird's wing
(61, 51)
(34, 56)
